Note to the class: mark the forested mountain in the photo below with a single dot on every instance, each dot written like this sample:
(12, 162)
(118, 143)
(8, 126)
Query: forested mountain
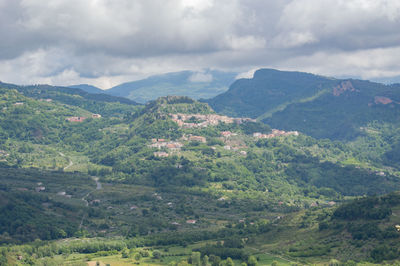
(344, 112)
(314, 105)
(187, 83)
(267, 91)
(174, 175)
(87, 88)
(72, 96)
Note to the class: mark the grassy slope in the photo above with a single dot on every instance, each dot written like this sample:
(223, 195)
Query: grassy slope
(201, 202)
(282, 106)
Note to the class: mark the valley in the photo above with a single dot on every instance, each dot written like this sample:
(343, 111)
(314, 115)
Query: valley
(199, 132)
(96, 178)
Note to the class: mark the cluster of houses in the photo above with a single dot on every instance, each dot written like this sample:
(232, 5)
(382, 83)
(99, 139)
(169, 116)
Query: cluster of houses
(227, 134)
(275, 133)
(195, 138)
(370, 171)
(187, 221)
(162, 143)
(161, 154)
(46, 100)
(173, 146)
(40, 188)
(183, 120)
(76, 119)
(81, 118)
(235, 148)
(233, 144)
(3, 153)
(64, 194)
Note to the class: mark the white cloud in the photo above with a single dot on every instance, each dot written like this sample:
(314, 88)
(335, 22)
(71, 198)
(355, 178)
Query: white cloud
(247, 74)
(201, 77)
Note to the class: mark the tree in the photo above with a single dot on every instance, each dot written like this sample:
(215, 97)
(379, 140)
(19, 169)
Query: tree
(229, 262)
(156, 254)
(125, 253)
(334, 262)
(215, 260)
(137, 256)
(183, 263)
(205, 261)
(196, 258)
(3, 258)
(252, 261)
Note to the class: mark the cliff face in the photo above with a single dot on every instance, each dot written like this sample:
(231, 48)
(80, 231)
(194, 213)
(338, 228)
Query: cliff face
(343, 87)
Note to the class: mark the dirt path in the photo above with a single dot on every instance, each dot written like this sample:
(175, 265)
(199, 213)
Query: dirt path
(84, 198)
(98, 184)
(71, 163)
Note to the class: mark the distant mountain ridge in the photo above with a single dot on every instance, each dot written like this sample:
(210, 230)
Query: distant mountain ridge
(344, 111)
(319, 106)
(268, 89)
(203, 84)
(41, 91)
(87, 88)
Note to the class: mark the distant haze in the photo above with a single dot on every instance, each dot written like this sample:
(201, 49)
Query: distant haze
(195, 84)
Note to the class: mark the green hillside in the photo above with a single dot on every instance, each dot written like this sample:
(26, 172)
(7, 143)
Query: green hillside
(340, 116)
(269, 89)
(173, 178)
(317, 106)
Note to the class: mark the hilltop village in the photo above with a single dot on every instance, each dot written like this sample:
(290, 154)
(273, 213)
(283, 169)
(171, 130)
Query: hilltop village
(188, 121)
(199, 120)
(81, 118)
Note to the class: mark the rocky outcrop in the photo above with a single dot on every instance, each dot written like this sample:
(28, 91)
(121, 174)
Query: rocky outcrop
(382, 100)
(343, 87)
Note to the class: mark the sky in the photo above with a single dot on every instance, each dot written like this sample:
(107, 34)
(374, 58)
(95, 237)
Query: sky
(107, 42)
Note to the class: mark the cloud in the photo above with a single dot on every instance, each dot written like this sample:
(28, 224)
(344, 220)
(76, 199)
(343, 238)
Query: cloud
(201, 77)
(340, 24)
(367, 64)
(104, 42)
(247, 74)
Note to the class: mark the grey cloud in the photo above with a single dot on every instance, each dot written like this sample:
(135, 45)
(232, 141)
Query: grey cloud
(106, 41)
(347, 25)
(131, 28)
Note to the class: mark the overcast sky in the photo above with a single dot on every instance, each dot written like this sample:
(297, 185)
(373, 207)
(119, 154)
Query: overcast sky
(106, 42)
